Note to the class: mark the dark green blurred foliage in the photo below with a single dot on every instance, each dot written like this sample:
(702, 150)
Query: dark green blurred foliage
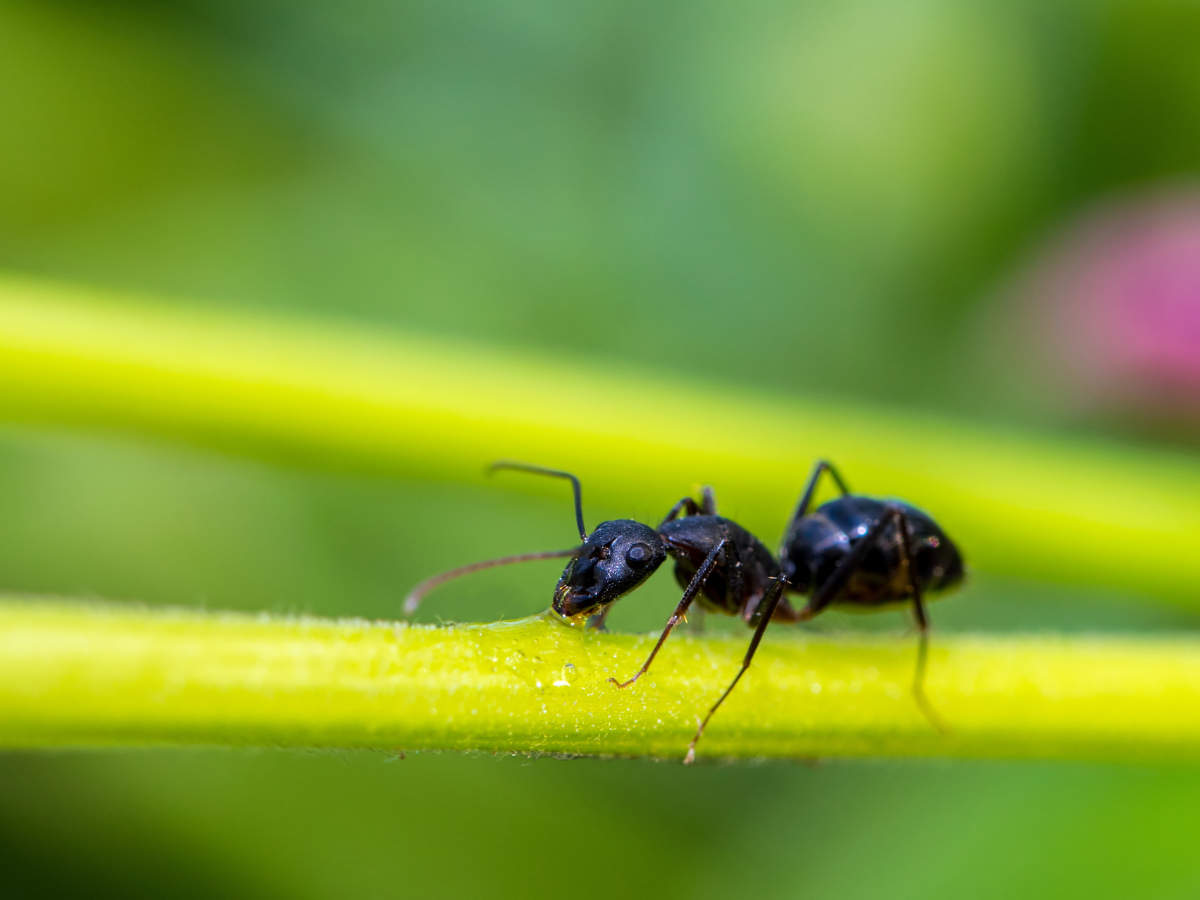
(286, 825)
(804, 197)
(771, 193)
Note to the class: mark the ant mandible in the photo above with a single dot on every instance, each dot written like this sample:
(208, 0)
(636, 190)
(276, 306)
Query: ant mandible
(852, 550)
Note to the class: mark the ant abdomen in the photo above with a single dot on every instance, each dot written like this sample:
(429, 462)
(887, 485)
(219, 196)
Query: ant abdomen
(818, 543)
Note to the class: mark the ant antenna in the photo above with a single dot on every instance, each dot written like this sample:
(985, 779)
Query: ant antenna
(539, 470)
(413, 600)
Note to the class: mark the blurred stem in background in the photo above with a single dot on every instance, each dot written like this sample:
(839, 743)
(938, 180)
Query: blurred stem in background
(1039, 506)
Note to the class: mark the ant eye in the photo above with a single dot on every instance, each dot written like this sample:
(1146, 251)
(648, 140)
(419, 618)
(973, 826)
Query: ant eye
(638, 554)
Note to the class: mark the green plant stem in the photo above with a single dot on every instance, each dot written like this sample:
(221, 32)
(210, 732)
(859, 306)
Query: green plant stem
(77, 675)
(1051, 508)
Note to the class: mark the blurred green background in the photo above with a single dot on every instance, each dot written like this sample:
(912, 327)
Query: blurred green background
(849, 202)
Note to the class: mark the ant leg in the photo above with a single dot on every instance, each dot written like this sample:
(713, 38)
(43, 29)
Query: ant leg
(842, 573)
(689, 594)
(706, 507)
(733, 567)
(836, 581)
(413, 600)
(685, 503)
(768, 609)
(810, 491)
(918, 686)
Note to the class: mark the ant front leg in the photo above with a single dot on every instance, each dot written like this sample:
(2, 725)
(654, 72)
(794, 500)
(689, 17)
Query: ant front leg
(685, 601)
(767, 610)
(688, 505)
(706, 507)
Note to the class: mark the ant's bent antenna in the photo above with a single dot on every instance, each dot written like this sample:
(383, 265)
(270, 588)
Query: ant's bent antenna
(540, 470)
(413, 600)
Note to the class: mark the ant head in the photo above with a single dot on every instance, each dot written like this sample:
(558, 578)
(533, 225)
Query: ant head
(614, 559)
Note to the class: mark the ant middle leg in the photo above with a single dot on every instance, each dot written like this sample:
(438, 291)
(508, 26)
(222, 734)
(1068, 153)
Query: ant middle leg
(685, 601)
(769, 603)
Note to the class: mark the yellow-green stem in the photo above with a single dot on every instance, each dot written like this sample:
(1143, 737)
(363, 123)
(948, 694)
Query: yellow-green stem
(77, 675)
(1068, 510)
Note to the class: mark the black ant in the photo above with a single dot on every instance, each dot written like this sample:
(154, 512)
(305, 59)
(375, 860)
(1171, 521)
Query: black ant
(854, 550)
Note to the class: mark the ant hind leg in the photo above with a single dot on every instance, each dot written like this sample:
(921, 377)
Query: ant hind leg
(841, 575)
(918, 686)
(810, 490)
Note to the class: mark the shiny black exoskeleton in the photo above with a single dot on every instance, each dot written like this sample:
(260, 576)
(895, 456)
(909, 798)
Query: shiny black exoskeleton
(818, 543)
(852, 550)
(862, 551)
(619, 555)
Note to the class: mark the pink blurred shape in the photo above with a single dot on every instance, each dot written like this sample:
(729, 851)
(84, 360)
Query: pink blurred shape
(1119, 299)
